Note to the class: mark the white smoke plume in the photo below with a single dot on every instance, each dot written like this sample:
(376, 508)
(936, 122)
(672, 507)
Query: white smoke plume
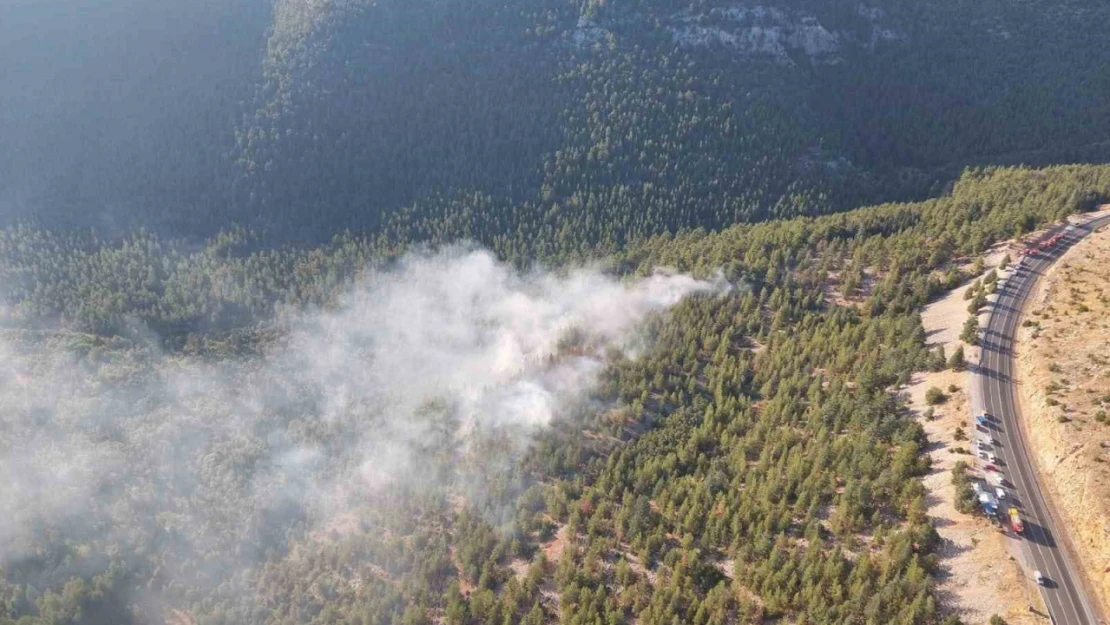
(390, 386)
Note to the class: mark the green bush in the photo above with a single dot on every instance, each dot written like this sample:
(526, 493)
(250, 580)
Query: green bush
(937, 359)
(934, 396)
(958, 362)
(965, 495)
(970, 333)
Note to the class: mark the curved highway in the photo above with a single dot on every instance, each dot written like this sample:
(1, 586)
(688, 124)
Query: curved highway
(994, 393)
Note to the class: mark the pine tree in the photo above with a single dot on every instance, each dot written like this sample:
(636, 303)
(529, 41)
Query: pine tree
(970, 333)
(937, 361)
(957, 362)
(535, 616)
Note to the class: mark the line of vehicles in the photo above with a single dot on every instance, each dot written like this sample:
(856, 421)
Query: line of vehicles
(994, 491)
(1035, 247)
(995, 481)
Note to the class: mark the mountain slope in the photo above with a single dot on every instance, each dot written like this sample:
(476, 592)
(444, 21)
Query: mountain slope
(570, 125)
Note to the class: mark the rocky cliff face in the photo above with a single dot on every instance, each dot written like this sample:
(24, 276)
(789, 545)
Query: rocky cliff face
(777, 34)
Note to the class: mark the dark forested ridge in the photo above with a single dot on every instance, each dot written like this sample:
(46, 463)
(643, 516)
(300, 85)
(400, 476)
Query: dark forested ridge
(547, 123)
(751, 465)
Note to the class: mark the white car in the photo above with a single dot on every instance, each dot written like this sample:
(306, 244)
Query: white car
(1039, 577)
(1000, 493)
(993, 458)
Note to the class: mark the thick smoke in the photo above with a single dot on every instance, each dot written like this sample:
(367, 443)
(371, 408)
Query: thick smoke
(399, 385)
(509, 348)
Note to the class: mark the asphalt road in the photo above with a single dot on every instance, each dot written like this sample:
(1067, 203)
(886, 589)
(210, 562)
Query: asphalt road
(994, 392)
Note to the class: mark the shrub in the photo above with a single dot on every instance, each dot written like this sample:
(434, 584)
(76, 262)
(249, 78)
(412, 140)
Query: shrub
(965, 496)
(935, 396)
(997, 620)
(970, 333)
(937, 359)
(957, 362)
(952, 388)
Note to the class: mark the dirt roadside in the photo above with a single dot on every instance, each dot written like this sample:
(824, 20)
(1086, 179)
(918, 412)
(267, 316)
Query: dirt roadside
(1063, 375)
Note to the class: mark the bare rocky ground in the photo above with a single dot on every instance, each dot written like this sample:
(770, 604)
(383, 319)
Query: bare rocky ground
(980, 576)
(1063, 371)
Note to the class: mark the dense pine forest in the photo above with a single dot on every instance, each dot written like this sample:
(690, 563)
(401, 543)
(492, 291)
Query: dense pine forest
(749, 462)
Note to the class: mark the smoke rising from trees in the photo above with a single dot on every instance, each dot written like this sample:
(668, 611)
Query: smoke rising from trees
(427, 375)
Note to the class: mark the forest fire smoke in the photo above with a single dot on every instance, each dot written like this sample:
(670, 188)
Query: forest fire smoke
(412, 362)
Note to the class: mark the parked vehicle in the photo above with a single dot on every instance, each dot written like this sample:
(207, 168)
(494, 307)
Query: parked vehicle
(1037, 575)
(989, 503)
(1000, 492)
(1015, 521)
